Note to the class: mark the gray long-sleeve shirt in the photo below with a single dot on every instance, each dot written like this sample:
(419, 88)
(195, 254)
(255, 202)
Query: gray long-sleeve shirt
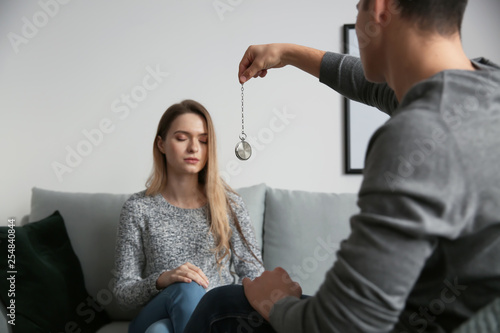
(424, 252)
(155, 236)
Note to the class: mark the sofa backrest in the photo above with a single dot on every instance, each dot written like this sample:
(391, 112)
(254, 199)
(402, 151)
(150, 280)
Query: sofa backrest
(303, 231)
(296, 230)
(91, 221)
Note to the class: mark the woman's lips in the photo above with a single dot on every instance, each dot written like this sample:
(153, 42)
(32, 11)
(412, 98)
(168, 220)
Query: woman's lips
(191, 160)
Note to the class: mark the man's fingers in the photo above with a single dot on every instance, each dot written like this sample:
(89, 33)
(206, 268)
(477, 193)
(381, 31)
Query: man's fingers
(255, 70)
(245, 281)
(252, 64)
(297, 288)
(258, 59)
(249, 73)
(245, 62)
(261, 73)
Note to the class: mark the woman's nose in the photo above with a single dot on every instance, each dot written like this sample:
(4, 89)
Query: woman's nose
(193, 146)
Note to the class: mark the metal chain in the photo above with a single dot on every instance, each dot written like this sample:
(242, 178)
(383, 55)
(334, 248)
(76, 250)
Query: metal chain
(243, 135)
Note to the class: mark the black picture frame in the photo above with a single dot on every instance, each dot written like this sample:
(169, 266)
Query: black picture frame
(360, 120)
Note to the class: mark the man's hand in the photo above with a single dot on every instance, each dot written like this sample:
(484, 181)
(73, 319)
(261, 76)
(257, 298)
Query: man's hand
(259, 58)
(184, 273)
(269, 288)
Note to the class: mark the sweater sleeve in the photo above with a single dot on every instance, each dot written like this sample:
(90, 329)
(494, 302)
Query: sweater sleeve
(345, 75)
(131, 288)
(244, 262)
(406, 207)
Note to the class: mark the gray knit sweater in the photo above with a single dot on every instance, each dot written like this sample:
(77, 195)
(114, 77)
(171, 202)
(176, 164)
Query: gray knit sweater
(155, 236)
(424, 252)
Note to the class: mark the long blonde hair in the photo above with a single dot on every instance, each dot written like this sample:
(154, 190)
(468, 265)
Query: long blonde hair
(214, 186)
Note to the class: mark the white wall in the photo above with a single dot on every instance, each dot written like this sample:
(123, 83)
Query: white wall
(69, 75)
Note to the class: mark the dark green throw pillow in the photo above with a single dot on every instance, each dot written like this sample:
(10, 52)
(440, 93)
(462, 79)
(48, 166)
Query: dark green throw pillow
(48, 288)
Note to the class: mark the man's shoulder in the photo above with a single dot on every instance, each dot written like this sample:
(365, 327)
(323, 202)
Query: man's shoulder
(486, 62)
(445, 88)
(448, 99)
(412, 140)
(419, 122)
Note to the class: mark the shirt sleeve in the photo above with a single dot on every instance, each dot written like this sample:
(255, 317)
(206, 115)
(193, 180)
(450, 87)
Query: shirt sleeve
(131, 288)
(245, 263)
(406, 206)
(345, 75)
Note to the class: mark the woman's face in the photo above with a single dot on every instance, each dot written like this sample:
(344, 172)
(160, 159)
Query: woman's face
(185, 145)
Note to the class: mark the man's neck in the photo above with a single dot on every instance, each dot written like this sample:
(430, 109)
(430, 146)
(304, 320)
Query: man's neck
(417, 57)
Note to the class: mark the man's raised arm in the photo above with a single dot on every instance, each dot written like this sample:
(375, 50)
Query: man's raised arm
(342, 73)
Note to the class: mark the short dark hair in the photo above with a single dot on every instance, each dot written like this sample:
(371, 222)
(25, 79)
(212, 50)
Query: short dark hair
(442, 16)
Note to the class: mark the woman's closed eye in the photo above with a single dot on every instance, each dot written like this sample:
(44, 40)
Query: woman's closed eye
(181, 138)
(203, 139)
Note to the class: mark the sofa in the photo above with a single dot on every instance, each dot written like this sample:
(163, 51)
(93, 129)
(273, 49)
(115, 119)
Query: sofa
(297, 230)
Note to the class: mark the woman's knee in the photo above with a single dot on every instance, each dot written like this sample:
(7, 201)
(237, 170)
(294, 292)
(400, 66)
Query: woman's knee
(221, 308)
(185, 290)
(161, 326)
(184, 296)
(224, 298)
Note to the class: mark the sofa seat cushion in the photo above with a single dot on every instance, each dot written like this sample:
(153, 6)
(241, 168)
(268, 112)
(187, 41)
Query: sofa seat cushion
(115, 327)
(303, 231)
(48, 286)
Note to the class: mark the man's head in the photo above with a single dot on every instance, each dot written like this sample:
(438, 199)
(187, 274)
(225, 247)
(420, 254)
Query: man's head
(386, 27)
(441, 16)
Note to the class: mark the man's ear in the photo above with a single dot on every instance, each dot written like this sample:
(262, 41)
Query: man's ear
(382, 10)
(159, 144)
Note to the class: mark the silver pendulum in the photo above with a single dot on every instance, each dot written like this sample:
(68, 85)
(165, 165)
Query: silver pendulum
(243, 150)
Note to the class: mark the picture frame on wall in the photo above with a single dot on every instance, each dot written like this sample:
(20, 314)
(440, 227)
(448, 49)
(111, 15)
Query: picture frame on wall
(361, 120)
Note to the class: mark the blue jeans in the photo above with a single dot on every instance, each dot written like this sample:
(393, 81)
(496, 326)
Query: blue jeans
(169, 311)
(226, 310)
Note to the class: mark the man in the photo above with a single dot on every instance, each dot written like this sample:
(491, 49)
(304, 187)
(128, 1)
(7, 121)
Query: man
(424, 252)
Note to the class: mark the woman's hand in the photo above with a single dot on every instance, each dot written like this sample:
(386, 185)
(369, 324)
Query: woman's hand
(184, 273)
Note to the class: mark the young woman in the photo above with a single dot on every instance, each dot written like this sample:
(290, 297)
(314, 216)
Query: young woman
(180, 237)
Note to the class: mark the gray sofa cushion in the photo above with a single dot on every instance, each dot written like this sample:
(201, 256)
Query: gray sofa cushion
(254, 198)
(48, 270)
(115, 327)
(91, 221)
(303, 231)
